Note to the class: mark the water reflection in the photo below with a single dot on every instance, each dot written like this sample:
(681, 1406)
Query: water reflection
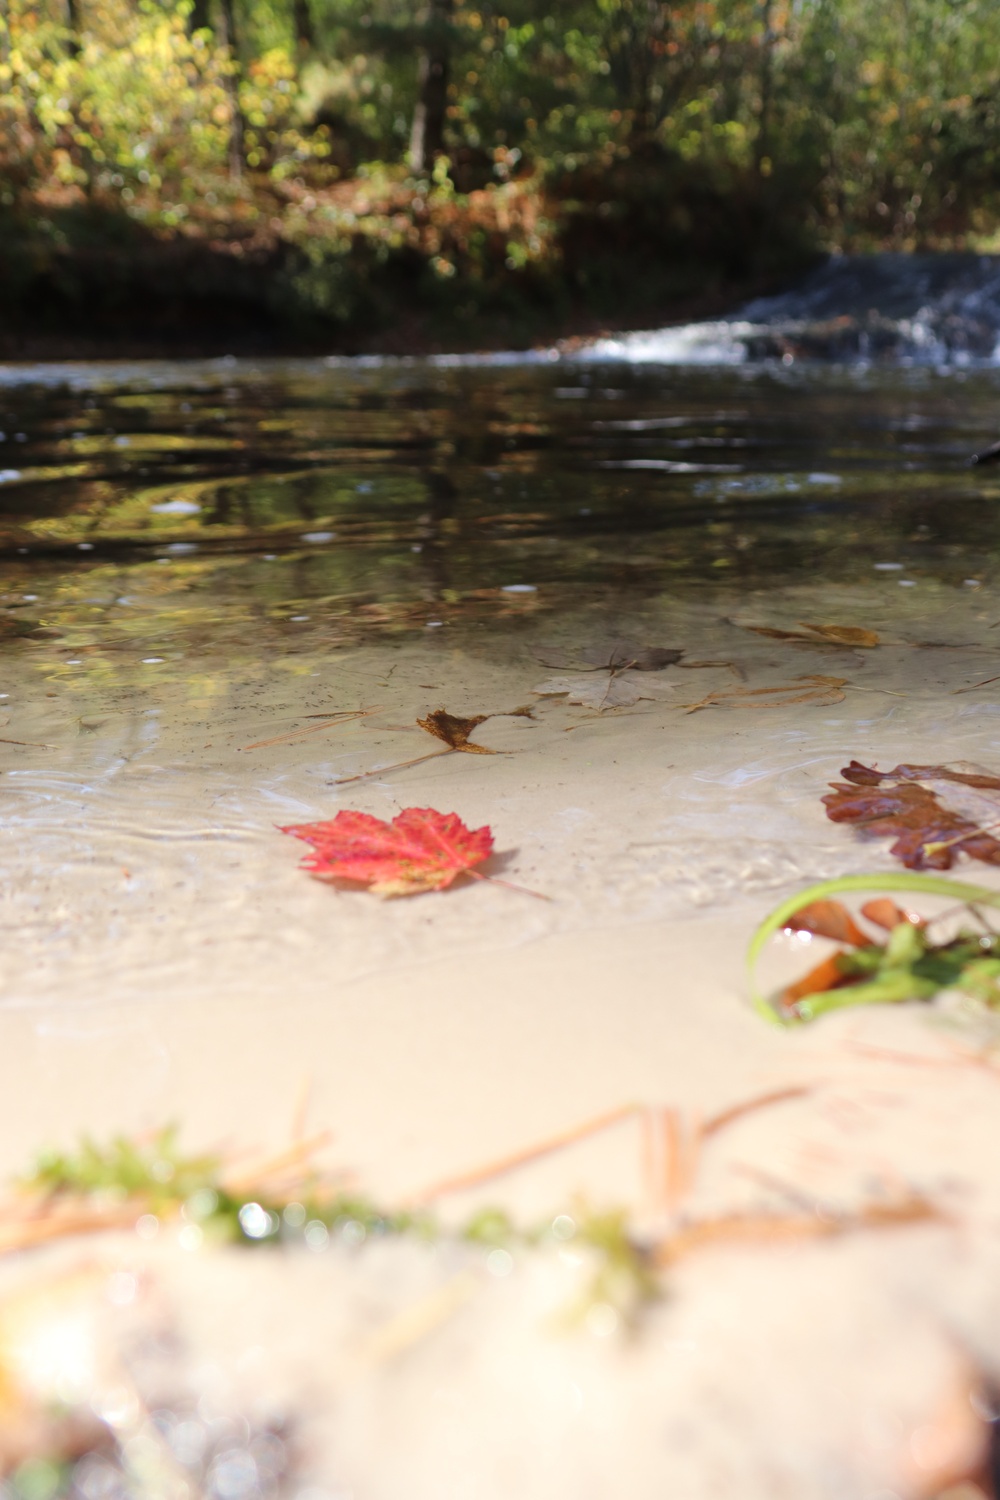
(164, 507)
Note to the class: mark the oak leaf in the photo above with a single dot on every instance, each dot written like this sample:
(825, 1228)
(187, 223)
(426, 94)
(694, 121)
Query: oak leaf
(420, 850)
(933, 812)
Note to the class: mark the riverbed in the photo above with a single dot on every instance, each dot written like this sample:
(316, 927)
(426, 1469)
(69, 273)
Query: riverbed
(228, 592)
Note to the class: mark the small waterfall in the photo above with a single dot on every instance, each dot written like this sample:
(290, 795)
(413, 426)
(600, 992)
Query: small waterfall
(929, 309)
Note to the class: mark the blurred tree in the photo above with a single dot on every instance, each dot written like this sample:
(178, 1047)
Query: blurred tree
(433, 78)
(237, 128)
(305, 31)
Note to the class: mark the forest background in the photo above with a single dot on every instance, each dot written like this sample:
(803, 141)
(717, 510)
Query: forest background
(199, 175)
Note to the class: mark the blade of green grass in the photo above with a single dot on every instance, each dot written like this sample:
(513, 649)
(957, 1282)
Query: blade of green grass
(925, 885)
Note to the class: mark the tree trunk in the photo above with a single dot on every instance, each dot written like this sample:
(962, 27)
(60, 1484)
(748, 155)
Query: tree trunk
(762, 143)
(200, 18)
(427, 135)
(305, 31)
(73, 27)
(650, 27)
(238, 128)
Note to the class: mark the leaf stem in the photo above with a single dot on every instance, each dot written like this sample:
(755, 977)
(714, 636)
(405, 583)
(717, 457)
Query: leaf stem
(523, 890)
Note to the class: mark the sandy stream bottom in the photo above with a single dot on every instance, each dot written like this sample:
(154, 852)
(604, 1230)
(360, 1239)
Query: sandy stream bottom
(165, 959)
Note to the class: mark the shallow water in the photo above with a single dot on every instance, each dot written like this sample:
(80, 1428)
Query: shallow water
(198, 563)
(176, 511)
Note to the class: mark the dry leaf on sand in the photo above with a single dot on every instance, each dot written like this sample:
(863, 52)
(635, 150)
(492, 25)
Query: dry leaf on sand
(420, 850)
(933, 812)
(814, 689)
(455, 731)
(820, 635)
(604, 690)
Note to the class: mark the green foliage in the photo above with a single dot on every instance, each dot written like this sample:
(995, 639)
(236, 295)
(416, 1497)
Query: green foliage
(707, 139)
(153, 1176)
(909, 965)
(624, 1276)
(124, 1168)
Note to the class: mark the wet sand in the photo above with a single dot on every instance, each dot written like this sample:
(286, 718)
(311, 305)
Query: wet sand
(167, 960)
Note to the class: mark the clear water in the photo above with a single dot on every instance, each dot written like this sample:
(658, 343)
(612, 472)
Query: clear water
(199, 562)
(170, 510)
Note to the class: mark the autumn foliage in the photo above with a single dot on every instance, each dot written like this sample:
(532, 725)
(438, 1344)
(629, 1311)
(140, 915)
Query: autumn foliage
(933, 813)
(420, 850)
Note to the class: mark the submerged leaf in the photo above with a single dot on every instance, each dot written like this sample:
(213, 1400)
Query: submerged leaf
(820, 635)
(603, 690)
(814, 689)
(843, 635)
(420, 850)
(644, 658)
(623, 656)
(933, 812)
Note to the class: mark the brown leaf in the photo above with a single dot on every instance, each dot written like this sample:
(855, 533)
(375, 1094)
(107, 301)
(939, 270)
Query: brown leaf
(827, 975)
(820, 635)
(884, 912)
(645, 659)
(603, 690)
(932, 812)
(779, 635)
(622, 656)
(843, 635)
(455, 731)
(829, 919)
(817, 690)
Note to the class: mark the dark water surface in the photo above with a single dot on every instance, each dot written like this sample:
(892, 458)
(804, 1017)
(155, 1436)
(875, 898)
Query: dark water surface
(169, 508)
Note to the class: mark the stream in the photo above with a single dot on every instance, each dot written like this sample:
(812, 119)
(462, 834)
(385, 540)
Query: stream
(229, 593)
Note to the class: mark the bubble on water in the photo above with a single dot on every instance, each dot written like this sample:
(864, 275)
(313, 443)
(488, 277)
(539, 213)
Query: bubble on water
(499, 1262)
(176, 508)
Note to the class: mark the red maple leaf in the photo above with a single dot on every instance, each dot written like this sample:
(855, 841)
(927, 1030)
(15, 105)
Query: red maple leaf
(420, 850)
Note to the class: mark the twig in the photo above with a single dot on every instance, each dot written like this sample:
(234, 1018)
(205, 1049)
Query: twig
(777, 1184)
(414, 1323)
(767, 1227)
(345, 716)
(399, 765)
(726, 1117)
(505, 1164)
(269, 1168)
(961, 1057)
